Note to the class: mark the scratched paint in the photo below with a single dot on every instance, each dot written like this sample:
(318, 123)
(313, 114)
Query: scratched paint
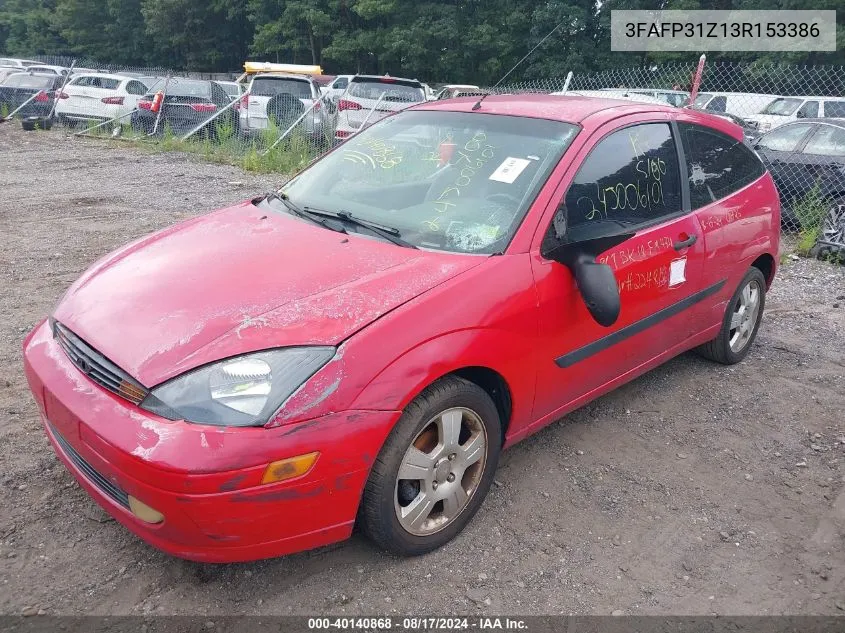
(709, 223)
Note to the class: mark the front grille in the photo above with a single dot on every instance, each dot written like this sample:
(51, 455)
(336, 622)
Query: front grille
(97, 367)
(90, 473)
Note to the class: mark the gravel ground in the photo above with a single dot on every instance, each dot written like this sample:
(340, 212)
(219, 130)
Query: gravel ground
(696, 489)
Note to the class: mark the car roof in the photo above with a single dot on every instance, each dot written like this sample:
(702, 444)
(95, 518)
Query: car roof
(385, 78)
(838, 122)
(575, 109)
(102, 76)
(282, 76)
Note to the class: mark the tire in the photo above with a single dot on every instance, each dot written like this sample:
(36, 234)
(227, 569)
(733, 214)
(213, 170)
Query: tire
(739, 308)
(449, 468)
(28, 125)
(283, 109)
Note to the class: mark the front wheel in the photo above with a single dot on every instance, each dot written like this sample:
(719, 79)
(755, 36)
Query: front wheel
(741, 321)
(434, 470)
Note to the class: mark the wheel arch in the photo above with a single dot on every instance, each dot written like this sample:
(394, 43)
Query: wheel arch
(490, 359)
(767, 265)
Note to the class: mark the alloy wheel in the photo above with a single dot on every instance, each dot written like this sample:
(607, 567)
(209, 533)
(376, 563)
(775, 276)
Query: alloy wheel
(744, 317)
(440, 472)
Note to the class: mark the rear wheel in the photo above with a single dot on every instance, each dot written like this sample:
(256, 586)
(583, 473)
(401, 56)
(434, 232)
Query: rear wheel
(434, 470)
(741, 321)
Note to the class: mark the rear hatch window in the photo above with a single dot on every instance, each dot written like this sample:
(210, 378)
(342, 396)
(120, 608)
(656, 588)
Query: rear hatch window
(393, 89)
(187, 91)
(272, 86)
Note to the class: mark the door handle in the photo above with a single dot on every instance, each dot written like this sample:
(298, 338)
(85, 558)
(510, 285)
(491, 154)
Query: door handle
(692, 239)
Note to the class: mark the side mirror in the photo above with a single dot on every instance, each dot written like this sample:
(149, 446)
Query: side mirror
(595, 281)
(597, 285)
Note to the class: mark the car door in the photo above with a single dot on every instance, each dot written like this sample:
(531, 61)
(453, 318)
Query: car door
(631, 175)
(779, 150)
(733, 215)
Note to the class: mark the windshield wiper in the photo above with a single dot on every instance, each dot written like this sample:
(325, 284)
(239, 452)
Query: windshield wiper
(389, 233)
(306, 214)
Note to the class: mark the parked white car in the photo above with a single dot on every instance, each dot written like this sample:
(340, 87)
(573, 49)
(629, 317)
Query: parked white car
(49, 69)
(788, 109)
(99, 97)
(371, 98)
(282, 98)
(677, 98)
(337, 87)
(18, 63)
(741, 104)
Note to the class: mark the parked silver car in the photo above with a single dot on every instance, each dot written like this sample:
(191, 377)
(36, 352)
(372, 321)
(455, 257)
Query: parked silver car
(371, 97)
(281, 99)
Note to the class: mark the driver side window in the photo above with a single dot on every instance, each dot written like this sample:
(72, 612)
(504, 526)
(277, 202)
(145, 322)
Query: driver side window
(631, 176)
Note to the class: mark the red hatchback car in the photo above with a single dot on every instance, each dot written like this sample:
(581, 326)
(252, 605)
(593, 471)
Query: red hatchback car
(360, 346)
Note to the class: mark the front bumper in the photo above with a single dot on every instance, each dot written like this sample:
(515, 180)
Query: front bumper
(205, 480)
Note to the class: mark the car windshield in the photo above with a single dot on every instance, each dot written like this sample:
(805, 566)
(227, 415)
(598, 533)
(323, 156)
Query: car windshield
(393, 91)
(452, 181)
(702, 99)
(782, 107)
(272, 86)
(676, 99)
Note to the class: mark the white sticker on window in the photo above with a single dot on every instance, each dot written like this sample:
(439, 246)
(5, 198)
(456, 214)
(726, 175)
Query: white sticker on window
(676, 271)
(509, 170)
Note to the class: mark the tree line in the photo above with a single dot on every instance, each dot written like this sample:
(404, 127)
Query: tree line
(434, 40)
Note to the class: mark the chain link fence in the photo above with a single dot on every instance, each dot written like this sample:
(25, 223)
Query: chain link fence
(793, 116)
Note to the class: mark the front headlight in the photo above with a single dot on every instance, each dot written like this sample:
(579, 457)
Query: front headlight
(241, 391)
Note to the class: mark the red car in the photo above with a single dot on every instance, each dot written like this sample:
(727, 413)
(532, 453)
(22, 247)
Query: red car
(360, 346)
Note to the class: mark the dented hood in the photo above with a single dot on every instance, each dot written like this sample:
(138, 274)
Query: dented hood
(239, 280)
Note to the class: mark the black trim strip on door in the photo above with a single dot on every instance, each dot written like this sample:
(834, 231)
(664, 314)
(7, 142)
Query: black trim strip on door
(582, 353)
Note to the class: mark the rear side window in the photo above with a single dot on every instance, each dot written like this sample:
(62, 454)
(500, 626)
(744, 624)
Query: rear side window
(718, 165)
(392, 90)
(136, 88)
(828, 140)
(272, 86)
(341, 83)
(834, 109)
(632, 175)
(809, 110)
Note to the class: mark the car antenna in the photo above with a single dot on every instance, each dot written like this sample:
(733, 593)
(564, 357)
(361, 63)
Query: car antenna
(507, 74)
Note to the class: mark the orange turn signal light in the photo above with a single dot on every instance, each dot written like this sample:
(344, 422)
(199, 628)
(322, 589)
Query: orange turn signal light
(289, 468)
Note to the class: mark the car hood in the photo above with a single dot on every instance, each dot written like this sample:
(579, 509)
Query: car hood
(239, 280)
